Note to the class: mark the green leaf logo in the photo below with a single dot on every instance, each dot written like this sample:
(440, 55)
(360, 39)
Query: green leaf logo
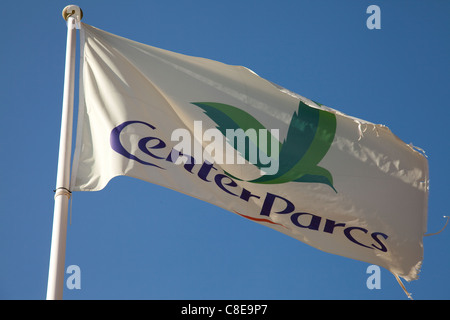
(310, 135)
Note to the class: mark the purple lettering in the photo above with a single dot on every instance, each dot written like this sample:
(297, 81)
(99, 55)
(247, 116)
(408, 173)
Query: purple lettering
(219, 181)
(349, 236)
(375, 237)
(313, 223)
(270, 200)
(117, 146)
(331, 224)
(205, 170)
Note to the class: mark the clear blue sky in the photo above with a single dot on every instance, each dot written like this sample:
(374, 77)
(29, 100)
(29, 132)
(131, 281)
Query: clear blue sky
(135, 240)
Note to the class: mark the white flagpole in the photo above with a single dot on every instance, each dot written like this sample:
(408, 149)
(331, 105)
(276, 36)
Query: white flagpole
(72, 14)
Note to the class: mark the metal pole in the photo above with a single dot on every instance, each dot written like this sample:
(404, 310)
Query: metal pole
(55, 285)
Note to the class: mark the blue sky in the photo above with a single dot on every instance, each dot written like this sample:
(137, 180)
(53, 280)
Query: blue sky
(135, 240)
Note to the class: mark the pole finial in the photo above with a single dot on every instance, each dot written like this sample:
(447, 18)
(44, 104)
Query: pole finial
(72, 11)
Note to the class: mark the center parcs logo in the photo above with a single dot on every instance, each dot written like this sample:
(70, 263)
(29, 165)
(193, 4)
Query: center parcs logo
(309, 137)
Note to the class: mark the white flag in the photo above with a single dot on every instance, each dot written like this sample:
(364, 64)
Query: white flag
(224, 135)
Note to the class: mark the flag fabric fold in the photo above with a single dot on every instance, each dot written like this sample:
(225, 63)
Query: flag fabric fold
(222, 134)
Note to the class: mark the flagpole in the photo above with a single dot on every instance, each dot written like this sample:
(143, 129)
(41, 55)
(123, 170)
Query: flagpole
(72, 14)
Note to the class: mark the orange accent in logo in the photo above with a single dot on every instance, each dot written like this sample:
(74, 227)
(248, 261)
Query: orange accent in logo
(259, 219)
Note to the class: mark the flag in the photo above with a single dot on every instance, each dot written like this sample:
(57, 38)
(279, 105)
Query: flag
(222, 134)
